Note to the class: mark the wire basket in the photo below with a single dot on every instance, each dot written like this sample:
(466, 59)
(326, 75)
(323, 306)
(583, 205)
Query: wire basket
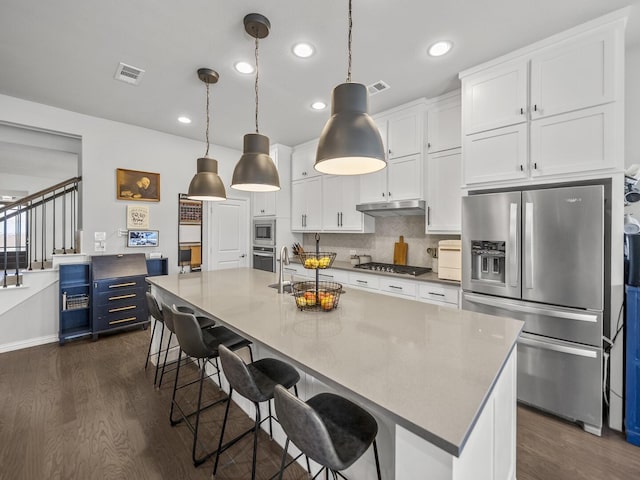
(314, 261)
(317, 296)
(77, 301)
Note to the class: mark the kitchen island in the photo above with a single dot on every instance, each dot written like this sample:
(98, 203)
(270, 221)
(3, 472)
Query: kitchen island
(440, 381)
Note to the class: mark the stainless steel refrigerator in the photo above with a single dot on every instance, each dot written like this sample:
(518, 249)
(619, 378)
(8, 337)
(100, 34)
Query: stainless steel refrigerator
(539, 256)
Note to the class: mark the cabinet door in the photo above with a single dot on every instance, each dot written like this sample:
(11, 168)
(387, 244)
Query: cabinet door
(405, 133)
(575, 142)
(495, 98)
(350, 218)
(373, 186)
(496, 155)
(313, 201)
(298, 205)
(579, 74)
(264, 204)
(302, 160)
(405, 178)
(444, 177)
(332, 205)
(444, 126)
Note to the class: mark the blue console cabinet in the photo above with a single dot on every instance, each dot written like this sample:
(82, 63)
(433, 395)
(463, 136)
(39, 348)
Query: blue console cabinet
(632, 339)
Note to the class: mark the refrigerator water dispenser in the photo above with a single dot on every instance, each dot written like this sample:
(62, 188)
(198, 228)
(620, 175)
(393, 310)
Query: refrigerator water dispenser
(488, 261)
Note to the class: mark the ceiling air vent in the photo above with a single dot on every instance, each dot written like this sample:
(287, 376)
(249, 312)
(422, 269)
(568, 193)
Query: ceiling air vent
(379, 86)
(128, 74)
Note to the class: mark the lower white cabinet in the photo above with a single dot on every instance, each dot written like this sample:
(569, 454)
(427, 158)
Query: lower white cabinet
(332, 275)
(363, 280)
(398, 287)
(439, 294)
(444, 180)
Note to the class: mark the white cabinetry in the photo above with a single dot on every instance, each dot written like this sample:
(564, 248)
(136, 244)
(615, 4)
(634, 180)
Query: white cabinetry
(552, 111)
(444, 123)
(398, 287)
(402, 131)
(443, 192)
(265, 204)
(364, 280)
(306, 205)
(340, 195)
(303, 159)
(439, 294)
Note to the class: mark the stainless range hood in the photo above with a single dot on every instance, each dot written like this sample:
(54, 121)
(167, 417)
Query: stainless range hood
(395, 208)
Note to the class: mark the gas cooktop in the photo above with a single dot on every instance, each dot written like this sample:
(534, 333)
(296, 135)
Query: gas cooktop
(391, 268)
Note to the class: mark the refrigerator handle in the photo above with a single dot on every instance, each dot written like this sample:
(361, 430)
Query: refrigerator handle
(528, 245)
(513, 244)
(557, 348)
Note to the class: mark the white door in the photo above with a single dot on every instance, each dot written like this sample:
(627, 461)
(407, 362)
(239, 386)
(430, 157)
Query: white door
(444, 124)
(332, 206)
(405, 175)
(443, 193)
(229, 234)
(405, 133)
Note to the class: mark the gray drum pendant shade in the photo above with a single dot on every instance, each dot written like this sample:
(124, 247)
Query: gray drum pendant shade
(350, 143)
(256, 172)
(206, 184)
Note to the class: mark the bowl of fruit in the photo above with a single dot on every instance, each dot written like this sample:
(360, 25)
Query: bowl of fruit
(317, 260)
(317, 296)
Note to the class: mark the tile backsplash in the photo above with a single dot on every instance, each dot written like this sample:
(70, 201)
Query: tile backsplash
(381, 243)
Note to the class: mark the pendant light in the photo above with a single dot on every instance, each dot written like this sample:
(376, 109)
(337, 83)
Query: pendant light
(256, 172)
(207, 184)
(350, 143)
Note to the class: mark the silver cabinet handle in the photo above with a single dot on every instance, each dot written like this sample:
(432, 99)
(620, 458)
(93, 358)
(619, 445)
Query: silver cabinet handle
(341, 223)
(362, 281)
(428, 215)
(513, 244)
(393, 286)
(437, 294)
(383, 194)
(338, 215)
(557, 348)
(528, 245)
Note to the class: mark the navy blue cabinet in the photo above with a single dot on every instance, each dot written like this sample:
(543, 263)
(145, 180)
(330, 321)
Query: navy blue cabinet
(118, 292)
(74, 300)
(632, 339)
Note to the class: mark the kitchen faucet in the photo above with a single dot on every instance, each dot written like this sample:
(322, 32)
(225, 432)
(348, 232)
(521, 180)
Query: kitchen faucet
(284, 257)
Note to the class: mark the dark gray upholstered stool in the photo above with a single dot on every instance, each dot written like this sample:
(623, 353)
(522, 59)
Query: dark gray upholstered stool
(256, 382)
(328, 428)
(204, 322)
(201, 345)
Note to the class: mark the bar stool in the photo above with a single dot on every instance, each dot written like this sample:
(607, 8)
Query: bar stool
(256, 382)
(202, 345)
(328, 428)
(204, 322)
(156, 313)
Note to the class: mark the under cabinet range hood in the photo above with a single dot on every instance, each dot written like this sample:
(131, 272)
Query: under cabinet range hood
(396, 208)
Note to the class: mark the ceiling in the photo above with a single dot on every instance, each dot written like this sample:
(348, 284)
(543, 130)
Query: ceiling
(65, 54)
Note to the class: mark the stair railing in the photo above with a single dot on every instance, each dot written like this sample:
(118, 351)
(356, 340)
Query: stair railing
(39, 224)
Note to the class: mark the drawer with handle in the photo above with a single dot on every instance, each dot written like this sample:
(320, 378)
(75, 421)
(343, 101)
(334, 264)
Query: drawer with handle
(398, 287)
(364, 281)
(118, 284)
(438, 294)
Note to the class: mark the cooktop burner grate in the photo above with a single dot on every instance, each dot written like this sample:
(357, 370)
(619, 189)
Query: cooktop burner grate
(391, 268)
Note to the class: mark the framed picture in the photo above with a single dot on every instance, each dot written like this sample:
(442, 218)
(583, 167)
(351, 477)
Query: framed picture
(136, 185)
(137, 217)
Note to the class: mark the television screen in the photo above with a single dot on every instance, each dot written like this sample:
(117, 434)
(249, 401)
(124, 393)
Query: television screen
(142, 238)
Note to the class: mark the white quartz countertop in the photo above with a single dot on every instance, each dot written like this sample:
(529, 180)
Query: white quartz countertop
(430, 368)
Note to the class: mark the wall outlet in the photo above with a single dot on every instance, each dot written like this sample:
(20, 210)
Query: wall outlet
(352, 252)
(122, 232)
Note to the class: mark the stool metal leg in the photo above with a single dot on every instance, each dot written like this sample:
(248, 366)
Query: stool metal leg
(284, 458)
(224, 424)
(375, 452)
(175, 387)
(166, 354)
(155, 377)
(153, 333)
(255, 441)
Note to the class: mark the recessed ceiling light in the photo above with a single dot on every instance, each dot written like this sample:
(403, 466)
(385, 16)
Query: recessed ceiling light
(318, 105)
(303, 50)
(183, 119)
(440, 48)
(244, 67)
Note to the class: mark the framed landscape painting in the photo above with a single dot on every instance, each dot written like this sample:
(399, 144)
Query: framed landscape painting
(138, 186)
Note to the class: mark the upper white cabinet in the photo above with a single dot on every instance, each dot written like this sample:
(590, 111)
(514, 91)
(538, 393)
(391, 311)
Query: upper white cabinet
(404, 132)
(552, 111)
(306, 205)
(265, 204)
(443, 192)
(339, 214)
(444, 123)
(303, 159)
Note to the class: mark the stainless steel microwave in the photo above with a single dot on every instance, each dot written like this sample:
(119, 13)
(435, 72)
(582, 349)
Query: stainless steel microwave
(264, 231)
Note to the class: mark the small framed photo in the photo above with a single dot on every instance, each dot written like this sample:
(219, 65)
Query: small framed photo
(137, 186)
(137, 217)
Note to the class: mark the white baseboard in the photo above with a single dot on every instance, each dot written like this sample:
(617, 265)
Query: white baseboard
(32, 342)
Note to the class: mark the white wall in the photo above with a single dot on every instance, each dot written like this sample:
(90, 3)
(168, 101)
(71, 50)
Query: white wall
(632, 114)
(107, 145)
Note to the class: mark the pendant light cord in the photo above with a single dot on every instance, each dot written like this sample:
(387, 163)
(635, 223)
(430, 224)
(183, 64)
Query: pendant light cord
(256, 88)
(350, 28)
(206, 153)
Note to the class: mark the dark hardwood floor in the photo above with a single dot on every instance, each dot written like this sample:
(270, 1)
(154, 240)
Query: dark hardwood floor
(88, 410)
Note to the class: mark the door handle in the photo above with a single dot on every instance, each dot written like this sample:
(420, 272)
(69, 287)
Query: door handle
(557, 348)
(528, 245)
(243, 255)
(513, 244)
(428, 215)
